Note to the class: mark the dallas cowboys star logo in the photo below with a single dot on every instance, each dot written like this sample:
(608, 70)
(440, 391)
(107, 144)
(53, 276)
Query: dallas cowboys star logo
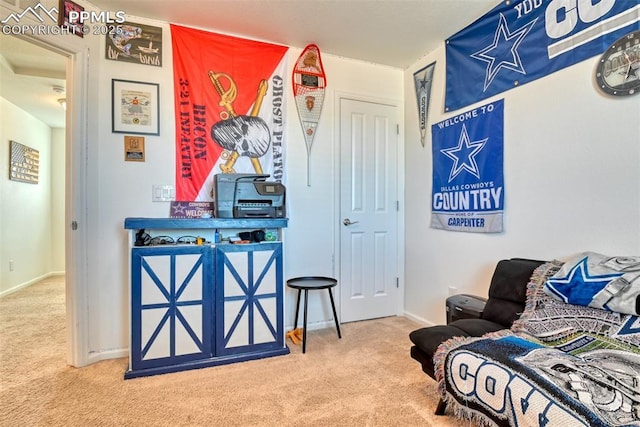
(578, 286)
(630, 327)
(178, 209)
(464, 155)
(503, 52)
(424, 81)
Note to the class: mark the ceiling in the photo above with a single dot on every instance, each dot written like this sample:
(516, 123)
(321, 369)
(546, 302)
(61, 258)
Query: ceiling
(390, 32)
(395, 33)
(28, 75)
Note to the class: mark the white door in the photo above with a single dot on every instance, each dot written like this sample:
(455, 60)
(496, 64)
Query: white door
(369, 210)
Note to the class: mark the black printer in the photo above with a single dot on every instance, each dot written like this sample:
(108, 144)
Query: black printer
(242, 195)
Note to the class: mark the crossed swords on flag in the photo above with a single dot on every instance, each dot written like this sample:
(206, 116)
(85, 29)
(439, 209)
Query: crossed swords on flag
(240, 135)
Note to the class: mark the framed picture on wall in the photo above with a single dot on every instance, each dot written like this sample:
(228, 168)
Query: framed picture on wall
(65, 7)
(133, 148)
(24, 163)
(135, 107)
(135, 43)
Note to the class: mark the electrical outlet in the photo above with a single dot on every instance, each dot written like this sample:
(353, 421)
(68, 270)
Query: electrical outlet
(163, 193)
(453, 290)
(10, 265)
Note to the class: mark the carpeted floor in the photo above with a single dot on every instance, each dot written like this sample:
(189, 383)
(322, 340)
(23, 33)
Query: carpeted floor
(365, 379)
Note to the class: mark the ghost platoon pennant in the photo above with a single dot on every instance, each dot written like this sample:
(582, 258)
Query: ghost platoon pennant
(309, 82)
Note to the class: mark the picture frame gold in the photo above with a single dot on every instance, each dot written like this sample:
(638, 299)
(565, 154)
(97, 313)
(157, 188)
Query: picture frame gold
(134, 148)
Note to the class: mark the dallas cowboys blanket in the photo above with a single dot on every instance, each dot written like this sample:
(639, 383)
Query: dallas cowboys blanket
(600, 281)
(559, 365)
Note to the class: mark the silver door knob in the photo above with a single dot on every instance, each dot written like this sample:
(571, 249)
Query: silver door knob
(348, 222)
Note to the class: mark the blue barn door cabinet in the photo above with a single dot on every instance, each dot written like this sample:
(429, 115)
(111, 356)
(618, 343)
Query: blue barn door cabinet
(194, 306)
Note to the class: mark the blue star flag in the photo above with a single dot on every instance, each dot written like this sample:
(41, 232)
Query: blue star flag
(579, 287)
(468, 182)
(523, 40)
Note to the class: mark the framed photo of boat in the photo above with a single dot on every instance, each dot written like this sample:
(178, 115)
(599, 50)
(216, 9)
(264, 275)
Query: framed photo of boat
(135, 107)
(135, 43)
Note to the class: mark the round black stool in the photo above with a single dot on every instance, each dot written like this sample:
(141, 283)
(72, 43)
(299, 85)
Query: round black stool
(306, 284)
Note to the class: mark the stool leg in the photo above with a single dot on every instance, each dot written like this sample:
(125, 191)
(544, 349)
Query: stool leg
(304, 330)
(335, 316)
(297, 310)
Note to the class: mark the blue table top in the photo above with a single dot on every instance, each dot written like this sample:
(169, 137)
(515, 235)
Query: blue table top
(202, 223)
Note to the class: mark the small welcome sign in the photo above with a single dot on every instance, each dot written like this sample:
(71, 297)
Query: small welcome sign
(136, 43)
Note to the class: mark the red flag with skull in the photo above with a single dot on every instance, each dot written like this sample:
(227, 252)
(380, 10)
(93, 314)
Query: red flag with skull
(229, 109)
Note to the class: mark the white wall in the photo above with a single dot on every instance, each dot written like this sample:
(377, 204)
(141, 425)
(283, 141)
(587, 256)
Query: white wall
(571, 161)
(313, 211)
(117, 189)
(30, 218)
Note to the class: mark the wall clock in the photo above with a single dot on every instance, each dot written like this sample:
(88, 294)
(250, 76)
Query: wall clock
(618, 71)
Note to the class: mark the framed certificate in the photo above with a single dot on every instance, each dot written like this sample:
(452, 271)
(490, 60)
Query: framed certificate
(135, 108)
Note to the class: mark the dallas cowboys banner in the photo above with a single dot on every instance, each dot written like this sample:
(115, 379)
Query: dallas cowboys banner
(422, 80)
(468, 182)
(523, 40)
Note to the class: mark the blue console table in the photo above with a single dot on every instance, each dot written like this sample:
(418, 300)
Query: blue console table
(194, 306)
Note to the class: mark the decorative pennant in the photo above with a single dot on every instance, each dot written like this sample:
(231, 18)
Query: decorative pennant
(309, 82)
(422, 80)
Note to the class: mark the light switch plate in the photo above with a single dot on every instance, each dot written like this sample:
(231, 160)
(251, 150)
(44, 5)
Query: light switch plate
(163, 193)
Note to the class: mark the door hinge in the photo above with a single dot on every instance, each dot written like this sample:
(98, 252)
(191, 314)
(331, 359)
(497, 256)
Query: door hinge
(74, 225)
(397, 205)
(397, 129)
(397, 282)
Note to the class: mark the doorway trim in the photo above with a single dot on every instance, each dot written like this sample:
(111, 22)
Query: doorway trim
(76, 137)
(76, 245)
(397, 103)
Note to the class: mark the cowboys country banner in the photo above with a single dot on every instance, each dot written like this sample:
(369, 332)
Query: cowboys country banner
(468, 182)
(230, 109)
(523, 40)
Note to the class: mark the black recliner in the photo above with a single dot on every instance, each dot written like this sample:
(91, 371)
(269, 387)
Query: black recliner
(507, 298)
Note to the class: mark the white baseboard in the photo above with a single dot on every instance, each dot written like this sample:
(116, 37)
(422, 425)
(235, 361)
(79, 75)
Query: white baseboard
(418, 319)
(30, 282)
(108, 354)
(315, 325)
